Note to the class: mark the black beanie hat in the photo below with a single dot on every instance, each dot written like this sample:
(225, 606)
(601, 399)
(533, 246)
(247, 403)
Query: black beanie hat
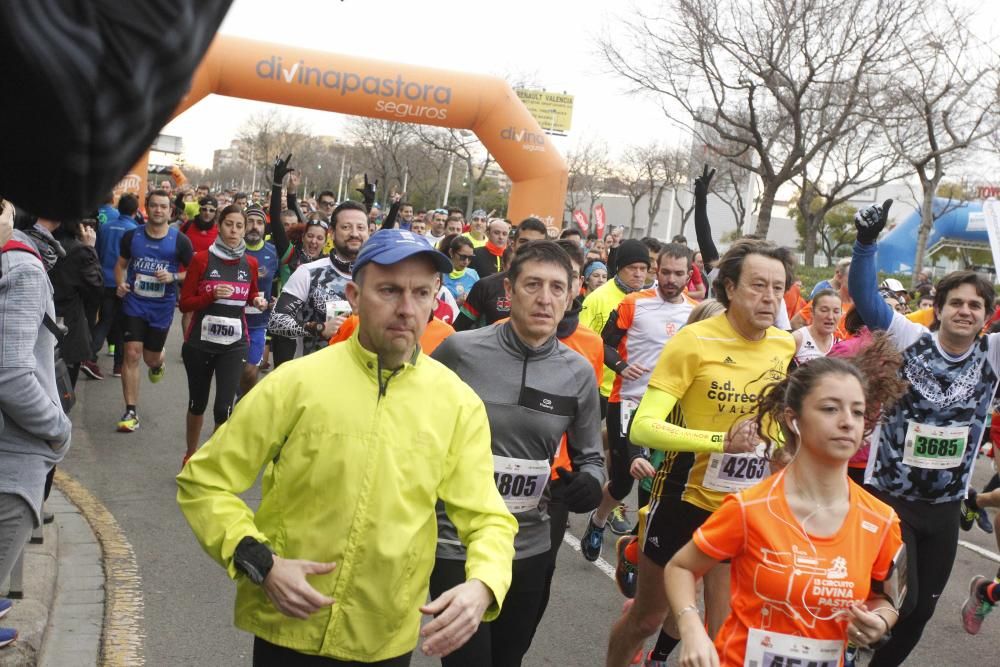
(630, 252)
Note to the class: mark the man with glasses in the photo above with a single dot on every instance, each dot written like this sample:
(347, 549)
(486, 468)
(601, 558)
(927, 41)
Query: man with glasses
(201, 229)
(477, 228)
(326, 203)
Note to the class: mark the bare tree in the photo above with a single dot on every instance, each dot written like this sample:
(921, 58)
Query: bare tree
(729, 185)
(629, 178)
(840, 172)
(380, 145)
(777, 80)
(462, 146)
(940, 104)
(267, 133)
(589, 172)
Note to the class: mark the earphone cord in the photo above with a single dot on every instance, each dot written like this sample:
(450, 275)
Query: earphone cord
(801, 530)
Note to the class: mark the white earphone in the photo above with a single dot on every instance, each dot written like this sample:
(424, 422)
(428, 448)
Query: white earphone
(795, 427)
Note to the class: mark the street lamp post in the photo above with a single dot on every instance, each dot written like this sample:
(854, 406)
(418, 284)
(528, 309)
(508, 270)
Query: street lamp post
(447, 183)
(340, 183)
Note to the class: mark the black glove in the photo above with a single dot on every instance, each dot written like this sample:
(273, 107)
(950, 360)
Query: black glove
(581, 491)
(368, 192)
(702, 182)
(281, 169)
(870, 221)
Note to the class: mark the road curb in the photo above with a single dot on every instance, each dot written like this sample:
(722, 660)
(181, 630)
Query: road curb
(121, 636)
(30, 614)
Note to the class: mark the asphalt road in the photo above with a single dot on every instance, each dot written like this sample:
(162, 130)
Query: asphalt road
(188, 599)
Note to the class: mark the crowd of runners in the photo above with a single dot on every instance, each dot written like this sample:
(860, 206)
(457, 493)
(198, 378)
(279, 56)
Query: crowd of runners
(803, 462)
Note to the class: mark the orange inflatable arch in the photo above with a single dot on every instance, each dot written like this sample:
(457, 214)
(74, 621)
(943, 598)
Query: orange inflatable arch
(486, 105)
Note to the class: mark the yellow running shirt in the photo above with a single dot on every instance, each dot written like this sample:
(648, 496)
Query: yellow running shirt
(597, 307)
(716, 375)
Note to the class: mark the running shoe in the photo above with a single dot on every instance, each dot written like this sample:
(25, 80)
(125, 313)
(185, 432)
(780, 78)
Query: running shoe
(983, 520)
(618, 521)
(625, 572)
(156, 374)
(7, 636)
(129, 423)
(111, 350)
(117, 371)
(975, 609)
(5, 607)
(593, 540)
(967, 516)
(91, 370)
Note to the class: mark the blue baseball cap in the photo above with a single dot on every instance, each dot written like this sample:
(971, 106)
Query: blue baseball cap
(390, 246)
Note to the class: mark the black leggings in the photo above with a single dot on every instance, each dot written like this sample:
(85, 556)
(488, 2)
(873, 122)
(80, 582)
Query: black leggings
(226, 366)
(282, 349)
(930, 532)
(504, 641)
(558, 516)
(266, 654)
(619, 469)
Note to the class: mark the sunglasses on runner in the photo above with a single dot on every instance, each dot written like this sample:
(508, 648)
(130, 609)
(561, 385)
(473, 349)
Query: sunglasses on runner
(317, 223)
(208, 209)
(462, 257)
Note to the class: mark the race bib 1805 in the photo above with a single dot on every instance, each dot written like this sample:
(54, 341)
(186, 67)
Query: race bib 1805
(520, 481)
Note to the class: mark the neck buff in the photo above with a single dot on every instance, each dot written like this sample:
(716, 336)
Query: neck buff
(455, 275)
(623, 287)
(494, 249)
(222, 251)
(256, 247)
(342, 265)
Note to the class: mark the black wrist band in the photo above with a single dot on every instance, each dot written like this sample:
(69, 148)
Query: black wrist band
(253, 559)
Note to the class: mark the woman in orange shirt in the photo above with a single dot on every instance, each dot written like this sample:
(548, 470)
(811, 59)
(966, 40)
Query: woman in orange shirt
(814, 556)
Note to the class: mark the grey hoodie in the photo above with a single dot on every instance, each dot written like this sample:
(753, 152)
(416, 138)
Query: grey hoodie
(34, 431)
(532, 396)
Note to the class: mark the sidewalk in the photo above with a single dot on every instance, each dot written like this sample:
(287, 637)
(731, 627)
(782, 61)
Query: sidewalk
(61, 616)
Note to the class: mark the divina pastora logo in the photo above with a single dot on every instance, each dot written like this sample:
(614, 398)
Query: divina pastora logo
(409, 99)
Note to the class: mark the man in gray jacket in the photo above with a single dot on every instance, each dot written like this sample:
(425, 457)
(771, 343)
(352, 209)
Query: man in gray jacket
(535, 390)
(34, 431)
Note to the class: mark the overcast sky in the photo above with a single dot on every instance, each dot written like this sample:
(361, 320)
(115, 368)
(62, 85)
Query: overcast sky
(553, 42)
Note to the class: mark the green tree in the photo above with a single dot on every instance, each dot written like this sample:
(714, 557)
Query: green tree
(834, 230)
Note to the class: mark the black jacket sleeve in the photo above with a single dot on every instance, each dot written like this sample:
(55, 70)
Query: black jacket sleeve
(389, 221)
(278, 236)
(703, 232)
(612, 335)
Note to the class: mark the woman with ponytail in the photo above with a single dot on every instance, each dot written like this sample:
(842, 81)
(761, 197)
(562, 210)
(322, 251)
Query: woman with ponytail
(815, 559)
(221, 282)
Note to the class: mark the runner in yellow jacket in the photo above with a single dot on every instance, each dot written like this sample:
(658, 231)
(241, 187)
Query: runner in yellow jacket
(360, 441)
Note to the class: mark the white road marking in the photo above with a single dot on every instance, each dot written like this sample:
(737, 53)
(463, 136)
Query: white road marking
(601, 564)
(979, 550)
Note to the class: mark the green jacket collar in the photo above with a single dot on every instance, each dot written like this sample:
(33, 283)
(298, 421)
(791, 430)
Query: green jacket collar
(368, 361)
